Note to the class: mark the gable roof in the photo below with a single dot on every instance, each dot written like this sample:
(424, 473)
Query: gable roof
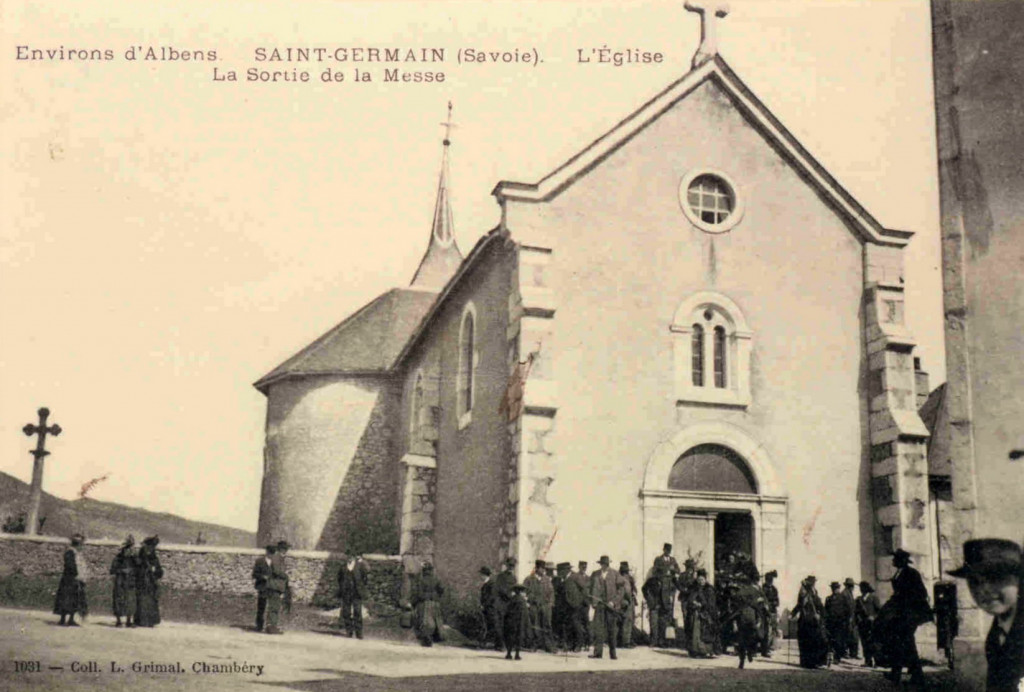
(367, 342)
(715, 70)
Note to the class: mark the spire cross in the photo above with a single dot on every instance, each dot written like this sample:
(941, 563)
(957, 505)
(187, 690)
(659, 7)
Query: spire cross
(448, 125)
(40, 453)
(709, 11)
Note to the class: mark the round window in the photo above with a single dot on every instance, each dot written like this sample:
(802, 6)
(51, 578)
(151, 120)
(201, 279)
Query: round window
(710, 201)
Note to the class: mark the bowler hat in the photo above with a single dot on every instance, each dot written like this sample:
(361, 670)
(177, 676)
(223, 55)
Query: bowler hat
(850, 582)
(510, 561)
(667, 546)
(604, 561)
(901, 555)
(624, 566)
(811, 578)
(989, 557)
(564, 566)
(485, 570)
(866, 587)
(283, 545)
(582, 564)
(835, 585)
(539, 564)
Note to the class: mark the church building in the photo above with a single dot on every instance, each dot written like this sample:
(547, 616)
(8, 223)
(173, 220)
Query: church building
(688, 333)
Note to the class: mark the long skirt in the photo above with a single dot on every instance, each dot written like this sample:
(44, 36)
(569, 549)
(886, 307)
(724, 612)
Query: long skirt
(147, 605)
(699, 636)
(810, 637)
(70, 597)
(124, 596)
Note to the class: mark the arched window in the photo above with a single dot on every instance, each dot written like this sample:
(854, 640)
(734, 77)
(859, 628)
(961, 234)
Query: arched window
(720, 362)
(711, 345)
(697, 359)
(467, 365)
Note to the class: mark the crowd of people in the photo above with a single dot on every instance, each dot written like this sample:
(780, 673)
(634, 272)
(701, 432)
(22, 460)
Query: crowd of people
(558, 607)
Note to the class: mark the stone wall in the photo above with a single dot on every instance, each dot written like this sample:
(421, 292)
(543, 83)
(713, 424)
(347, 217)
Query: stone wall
(313, 575)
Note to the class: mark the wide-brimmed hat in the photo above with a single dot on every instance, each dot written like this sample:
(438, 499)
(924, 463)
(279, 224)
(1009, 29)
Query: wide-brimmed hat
(485, 570)
(835, 585)
(283, 545)
(152, 540)
(539, 564)
(605, 560)
(563, 566)
(811, 578)
(901, 554)
(850, 582)
(866, 587)
(989, 557)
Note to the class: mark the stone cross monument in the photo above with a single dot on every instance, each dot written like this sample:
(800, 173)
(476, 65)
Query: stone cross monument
(708, 10)
(36, 491)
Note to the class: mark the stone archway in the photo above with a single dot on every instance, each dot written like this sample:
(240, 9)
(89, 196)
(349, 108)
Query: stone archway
(753, 491)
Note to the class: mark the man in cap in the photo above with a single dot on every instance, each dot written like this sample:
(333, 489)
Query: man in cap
(277, 588)
(865, 611)
(993, 570)
(608, 595)
(910, 609)
(771, 599)
(539, 635)
(582, 580)
(837, 621)
(626, 630)
(260, 575)
(492, 623)
(851, 627)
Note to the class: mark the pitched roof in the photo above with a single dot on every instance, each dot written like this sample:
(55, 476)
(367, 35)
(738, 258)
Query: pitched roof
(367, 342)
(717, 71)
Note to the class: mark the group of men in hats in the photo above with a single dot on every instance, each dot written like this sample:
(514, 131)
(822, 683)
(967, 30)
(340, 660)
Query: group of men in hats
(556, 607)
(270, 579)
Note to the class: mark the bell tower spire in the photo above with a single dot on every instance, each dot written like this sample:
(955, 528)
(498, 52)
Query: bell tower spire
(442, 257)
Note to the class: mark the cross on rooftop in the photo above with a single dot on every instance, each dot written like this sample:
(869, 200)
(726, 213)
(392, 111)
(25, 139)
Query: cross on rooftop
(448, 125)
(709, 11)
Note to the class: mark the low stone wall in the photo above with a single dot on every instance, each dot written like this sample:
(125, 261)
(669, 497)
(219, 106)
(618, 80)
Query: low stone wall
(312, 574)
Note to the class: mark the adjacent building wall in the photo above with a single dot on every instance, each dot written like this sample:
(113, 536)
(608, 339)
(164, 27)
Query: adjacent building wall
(979, 70)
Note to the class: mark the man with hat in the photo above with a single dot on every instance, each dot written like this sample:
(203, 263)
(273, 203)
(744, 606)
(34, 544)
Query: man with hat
(353, 588)
(837, 621)
(608, 593)
(503, 594)
(260, 575)
(865, 611)
(492, 623)
(851, 629)
(908, 609)
(626, 630)
(517, 622)
(771, 599)
(993, 570)
(582, 580)
(536, 593)
(277, 587)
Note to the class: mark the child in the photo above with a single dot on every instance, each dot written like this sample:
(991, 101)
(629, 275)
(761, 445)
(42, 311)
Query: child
(517, 622)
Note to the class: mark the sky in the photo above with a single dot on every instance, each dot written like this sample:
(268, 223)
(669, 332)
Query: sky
(167, 239)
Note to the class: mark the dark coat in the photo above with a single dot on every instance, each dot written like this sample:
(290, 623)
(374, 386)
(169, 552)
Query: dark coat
(277, 582)
(910, 597)
(771, 597)
(260, 573)
(1006, 662)
(701, 623)
(148, 574)
(810, 636)
(503, 584)
(517, 623)
(123, 569)
(487, 594)
(354, 584)
(838, 612)
(71, 590)
(425, 594)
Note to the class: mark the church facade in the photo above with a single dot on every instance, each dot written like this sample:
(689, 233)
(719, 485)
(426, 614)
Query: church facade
(689, 333)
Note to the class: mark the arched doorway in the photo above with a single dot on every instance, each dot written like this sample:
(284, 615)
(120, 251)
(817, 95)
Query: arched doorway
(713, 537)
(712, 488)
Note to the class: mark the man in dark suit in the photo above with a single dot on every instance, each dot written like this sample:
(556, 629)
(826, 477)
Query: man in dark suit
(277, 588)
(353, 588)
(260, 574)
(493, 624)
(582, 581)
(993, 569)
(851, 627)
(608, 591)
(910, 609)
(503, 594)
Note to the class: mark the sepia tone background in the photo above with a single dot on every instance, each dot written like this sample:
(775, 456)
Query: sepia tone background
(168, 239)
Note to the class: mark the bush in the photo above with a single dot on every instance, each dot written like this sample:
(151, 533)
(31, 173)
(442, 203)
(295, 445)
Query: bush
(463, 614)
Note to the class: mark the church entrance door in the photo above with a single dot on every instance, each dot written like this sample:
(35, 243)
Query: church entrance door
(709, 537)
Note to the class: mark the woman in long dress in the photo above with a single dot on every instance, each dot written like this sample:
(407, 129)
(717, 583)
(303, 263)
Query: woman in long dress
(71, 591)
(426, 593)
(700, 631)
(810, 633)
(147, 584)
(123, 569)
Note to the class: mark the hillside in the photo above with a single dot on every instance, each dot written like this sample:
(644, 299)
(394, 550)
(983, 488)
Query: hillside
(98, 519)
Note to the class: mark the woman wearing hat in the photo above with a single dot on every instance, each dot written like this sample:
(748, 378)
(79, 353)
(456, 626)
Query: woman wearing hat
(810, 632)
(992, 568)
(123, 569)
(148, 574)
(71, 591)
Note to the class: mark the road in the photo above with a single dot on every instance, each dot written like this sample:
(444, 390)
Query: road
(190, 656)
